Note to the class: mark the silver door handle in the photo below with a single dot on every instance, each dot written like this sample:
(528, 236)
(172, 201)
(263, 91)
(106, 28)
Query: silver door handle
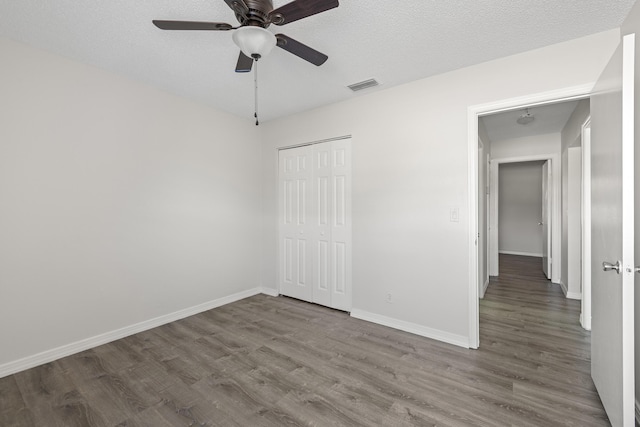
(540, 223)
(607, 266)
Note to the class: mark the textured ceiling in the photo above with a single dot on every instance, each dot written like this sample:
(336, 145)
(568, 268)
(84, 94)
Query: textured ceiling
(550, 118)
(393, 42)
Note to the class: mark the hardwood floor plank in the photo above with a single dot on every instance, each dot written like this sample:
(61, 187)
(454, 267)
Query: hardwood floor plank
(74, 410)
(13, 408)
(44, 389)
(148, 417)
(184, 405)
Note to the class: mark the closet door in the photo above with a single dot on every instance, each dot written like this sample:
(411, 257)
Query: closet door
(295, 179)
(315, 223)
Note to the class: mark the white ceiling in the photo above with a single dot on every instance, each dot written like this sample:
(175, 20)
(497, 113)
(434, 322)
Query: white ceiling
(550, 118)
(393, 42)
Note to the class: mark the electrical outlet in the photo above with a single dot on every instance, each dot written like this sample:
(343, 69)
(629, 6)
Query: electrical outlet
(389, 298)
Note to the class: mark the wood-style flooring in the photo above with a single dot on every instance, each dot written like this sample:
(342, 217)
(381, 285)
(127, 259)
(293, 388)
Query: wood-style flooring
(267, 361)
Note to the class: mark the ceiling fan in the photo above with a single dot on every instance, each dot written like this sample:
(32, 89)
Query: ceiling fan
(254, 40)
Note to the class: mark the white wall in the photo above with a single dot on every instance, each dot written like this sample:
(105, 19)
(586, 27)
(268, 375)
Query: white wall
(120, 203)
(520, 208)
(410, 167)
(526, 146)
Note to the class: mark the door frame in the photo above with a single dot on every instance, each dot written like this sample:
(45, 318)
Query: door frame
(585, 277)
(555, 218)
(484, 238)
(473, 113)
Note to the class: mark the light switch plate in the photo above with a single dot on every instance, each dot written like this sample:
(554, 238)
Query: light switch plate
(454, 215)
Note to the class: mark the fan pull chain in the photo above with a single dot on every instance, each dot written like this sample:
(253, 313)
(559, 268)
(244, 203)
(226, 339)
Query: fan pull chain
(255, 73)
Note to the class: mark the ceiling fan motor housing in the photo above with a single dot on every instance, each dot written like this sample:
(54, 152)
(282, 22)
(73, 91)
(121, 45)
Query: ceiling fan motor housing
(258, 14)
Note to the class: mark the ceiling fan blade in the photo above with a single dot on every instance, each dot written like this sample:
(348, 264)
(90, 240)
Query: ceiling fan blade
(299, 9)
(244, 63)
(238, 6)
(301, 50)
(192, 25)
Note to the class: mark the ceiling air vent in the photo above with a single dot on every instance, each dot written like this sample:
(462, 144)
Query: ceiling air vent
(363, 85)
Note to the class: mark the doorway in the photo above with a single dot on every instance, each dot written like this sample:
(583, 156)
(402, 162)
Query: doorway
(531, 227)
(474, 112)
(523, 210)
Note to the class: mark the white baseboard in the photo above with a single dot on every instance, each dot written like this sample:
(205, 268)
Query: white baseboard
(484, 288)
(585, 323)
(574, 295)
(269, 291)
(413, 328)
(567, 294)
(521, 253)
(563, 287)
(85, 344)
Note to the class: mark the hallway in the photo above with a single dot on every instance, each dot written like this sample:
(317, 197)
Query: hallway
(526, 321)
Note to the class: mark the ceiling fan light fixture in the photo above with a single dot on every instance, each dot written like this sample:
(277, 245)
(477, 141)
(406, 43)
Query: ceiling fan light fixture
(255, 42)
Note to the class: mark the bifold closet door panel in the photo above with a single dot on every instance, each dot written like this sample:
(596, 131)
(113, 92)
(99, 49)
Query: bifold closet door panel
(340, 219)
(295, 181)
(323, 199)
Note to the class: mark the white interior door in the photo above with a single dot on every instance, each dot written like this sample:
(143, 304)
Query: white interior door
(544, 222)
(612, 235)
(315, 223)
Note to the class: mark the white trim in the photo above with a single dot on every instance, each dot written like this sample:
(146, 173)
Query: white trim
(484, 288)
(87, 343)
(628, 227)
(521, 253)
(585, 277)
(412, 328)
(567, 294)
(473, 112)
(493, 220)
(472, 181)
(564, 288)
(269, 291)
(534, 100)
